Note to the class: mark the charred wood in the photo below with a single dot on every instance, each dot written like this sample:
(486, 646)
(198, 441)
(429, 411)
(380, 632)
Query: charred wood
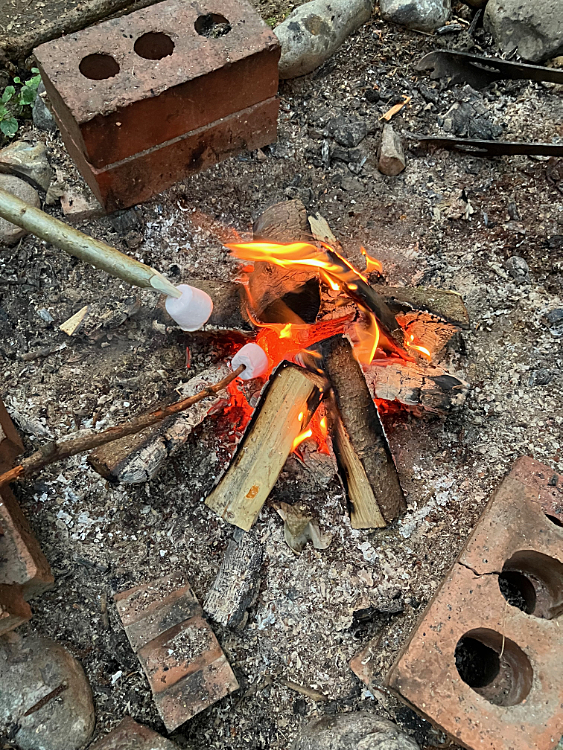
(359, 440)
(297, 288)
(428, 389)
(240, 494)
(139, 458)
(236, 586)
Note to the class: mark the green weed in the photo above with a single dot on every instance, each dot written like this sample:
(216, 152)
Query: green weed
(13, 103)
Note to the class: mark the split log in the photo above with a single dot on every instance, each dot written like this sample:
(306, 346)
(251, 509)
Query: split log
(429, 389)
(363, 454)
(139, 458)
(298, 288)
(443, 304)
(229, 300)
(236, 586)
(240, 494)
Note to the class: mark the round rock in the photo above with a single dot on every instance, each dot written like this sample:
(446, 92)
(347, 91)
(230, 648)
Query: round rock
(31, 668)
(425, 15)
(10, 233)
(361, 730)
(315, 30)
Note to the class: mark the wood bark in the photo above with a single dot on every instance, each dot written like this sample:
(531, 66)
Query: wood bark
(296, 287)
(88, 439)
(268, 440)
(428, 389)
(361, 447)
(139, 458)
(236, 585)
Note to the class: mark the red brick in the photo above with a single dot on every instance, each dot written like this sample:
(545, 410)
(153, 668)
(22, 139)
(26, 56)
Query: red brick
(21, 560)
(522, 706)
(150, 102)
(128, 735)
(139, 178)
(10, 442)
(183, 661)
(13, 609)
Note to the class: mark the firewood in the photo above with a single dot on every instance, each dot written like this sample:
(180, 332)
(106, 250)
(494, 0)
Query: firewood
(236, 585)
(86, 440)
(428, 389)
(139, 458)
(361, 447)
(441, 303)
(242, 491)
(228, 304)
(297, 287)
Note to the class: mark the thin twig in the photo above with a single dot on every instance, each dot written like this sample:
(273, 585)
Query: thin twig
(87, 440)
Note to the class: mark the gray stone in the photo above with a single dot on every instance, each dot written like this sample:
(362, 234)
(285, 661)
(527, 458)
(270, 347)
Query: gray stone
(425, 15)
(533, 29)
(347, 131)
(30, 669)
(555, 317)
(391, 159)
(518, 269)
(361, 730)
(42, 117)
(315, 30)
(10, 233)
(29, 161)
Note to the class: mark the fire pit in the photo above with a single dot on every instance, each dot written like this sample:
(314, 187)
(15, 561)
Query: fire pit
(341, 349)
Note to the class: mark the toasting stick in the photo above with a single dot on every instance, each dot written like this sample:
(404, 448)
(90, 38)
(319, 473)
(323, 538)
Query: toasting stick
(81, 246)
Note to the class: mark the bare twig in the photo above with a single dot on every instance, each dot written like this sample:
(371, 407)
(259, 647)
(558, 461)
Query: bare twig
(56, 451)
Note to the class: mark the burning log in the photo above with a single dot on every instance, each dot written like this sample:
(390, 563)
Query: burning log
(298, 288)
(139, 458)
(236, 585)
(361, 447)
(287, 404)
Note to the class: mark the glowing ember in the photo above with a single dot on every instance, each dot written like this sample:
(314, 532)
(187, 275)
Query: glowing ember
(300, 438)
(418, 348)
(371, 263)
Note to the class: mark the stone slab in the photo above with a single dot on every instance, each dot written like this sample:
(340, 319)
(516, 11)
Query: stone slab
(128, 735)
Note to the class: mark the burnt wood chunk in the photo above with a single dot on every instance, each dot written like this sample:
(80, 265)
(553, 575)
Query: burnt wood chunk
(361, 447)
(428, 389)
(442, 303)
(298, 288)
(139, 458)
(237, 581)
(292, 392)
(228, 304)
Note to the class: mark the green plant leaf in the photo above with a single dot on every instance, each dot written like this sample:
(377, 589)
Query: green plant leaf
(9, 127)
(3, 112)
(33, 83)
(17, 79)
(9, 91)
(27, 96)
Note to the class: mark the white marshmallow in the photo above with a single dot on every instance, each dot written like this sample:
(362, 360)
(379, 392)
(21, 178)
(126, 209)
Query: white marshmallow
(255, 360)
(192, 309)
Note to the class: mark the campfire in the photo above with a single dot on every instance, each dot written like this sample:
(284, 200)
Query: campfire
(336, 348)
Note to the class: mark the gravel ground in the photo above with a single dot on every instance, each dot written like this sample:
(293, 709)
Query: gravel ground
(449, 221)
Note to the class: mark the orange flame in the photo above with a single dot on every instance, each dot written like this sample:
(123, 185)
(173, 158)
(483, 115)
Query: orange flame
(305, 254)
(421, 349)
(332, 284)
(371, 263)
(300, 438)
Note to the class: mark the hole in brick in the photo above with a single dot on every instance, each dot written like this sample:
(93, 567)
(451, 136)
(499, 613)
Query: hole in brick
(98, 67)
(494, 667)
(154, 46)
(518, 590)
(212, 25)
(554, 520)
(533, 582)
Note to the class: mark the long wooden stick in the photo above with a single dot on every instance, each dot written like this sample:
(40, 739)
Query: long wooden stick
(87, 440)
(82, 246)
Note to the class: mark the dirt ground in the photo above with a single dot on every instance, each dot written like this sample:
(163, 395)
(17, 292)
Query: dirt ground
(447, 221)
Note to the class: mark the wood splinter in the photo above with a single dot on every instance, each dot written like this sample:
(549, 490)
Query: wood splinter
(363, 454)
(285, 409)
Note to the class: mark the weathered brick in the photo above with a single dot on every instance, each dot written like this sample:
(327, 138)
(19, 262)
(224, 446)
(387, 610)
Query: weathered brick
(183, 661)
(14, 610)
(512, 654)
(128, 735)
(124, 88)
(140, 177)
(10, 442)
